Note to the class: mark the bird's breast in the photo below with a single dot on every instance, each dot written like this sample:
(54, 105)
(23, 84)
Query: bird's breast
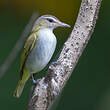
(43, 51)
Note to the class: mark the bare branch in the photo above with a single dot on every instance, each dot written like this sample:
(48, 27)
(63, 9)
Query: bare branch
(19, 44)
(49, 87)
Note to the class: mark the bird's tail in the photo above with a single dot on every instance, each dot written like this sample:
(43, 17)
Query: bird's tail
(19, 89)
(21, 83)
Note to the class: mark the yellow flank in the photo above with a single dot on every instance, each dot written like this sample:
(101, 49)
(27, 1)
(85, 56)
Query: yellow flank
(24, 72)
(21, 83)
(28, 47)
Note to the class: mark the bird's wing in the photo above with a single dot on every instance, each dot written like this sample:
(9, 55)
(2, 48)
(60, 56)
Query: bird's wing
(28, 47)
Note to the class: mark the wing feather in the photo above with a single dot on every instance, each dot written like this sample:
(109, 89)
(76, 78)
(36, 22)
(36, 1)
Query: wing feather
(28, 47)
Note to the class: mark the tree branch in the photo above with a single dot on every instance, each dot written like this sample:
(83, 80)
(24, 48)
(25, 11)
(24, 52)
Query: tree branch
(49, 87)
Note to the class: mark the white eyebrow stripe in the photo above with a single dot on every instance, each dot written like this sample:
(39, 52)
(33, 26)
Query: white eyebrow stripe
(51, 18)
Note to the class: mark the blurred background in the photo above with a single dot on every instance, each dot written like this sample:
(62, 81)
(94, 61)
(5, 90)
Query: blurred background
(89, 86)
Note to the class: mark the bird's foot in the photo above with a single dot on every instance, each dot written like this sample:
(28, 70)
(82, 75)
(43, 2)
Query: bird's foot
(33, 80)
(55, 63)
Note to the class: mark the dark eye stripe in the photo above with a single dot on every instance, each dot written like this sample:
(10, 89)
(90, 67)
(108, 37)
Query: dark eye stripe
(50, 20)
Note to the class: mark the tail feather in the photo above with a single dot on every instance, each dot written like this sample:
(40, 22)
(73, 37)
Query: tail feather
(21, 83)
(19, 89)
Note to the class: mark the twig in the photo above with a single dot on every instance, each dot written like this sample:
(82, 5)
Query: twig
(13, 54)
(49, 87)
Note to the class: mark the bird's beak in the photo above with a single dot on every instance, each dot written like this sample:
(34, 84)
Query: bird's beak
(61, 24)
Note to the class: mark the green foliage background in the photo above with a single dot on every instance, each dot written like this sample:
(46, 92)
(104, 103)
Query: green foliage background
(89, 86)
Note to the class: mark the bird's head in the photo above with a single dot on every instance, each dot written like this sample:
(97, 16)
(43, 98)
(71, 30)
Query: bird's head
(49, 21)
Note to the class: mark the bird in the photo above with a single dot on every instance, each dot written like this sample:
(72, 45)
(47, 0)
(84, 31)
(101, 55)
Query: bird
(38, 49)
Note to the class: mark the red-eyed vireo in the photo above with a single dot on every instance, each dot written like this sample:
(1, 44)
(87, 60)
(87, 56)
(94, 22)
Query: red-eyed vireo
(38, 49)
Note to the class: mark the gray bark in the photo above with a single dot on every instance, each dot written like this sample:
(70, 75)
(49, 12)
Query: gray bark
(49, 87)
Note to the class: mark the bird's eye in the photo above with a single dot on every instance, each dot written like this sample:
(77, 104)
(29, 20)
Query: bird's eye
(50, 20)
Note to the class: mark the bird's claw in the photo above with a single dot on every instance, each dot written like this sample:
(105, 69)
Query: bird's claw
(33, 80)
(55, 63)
